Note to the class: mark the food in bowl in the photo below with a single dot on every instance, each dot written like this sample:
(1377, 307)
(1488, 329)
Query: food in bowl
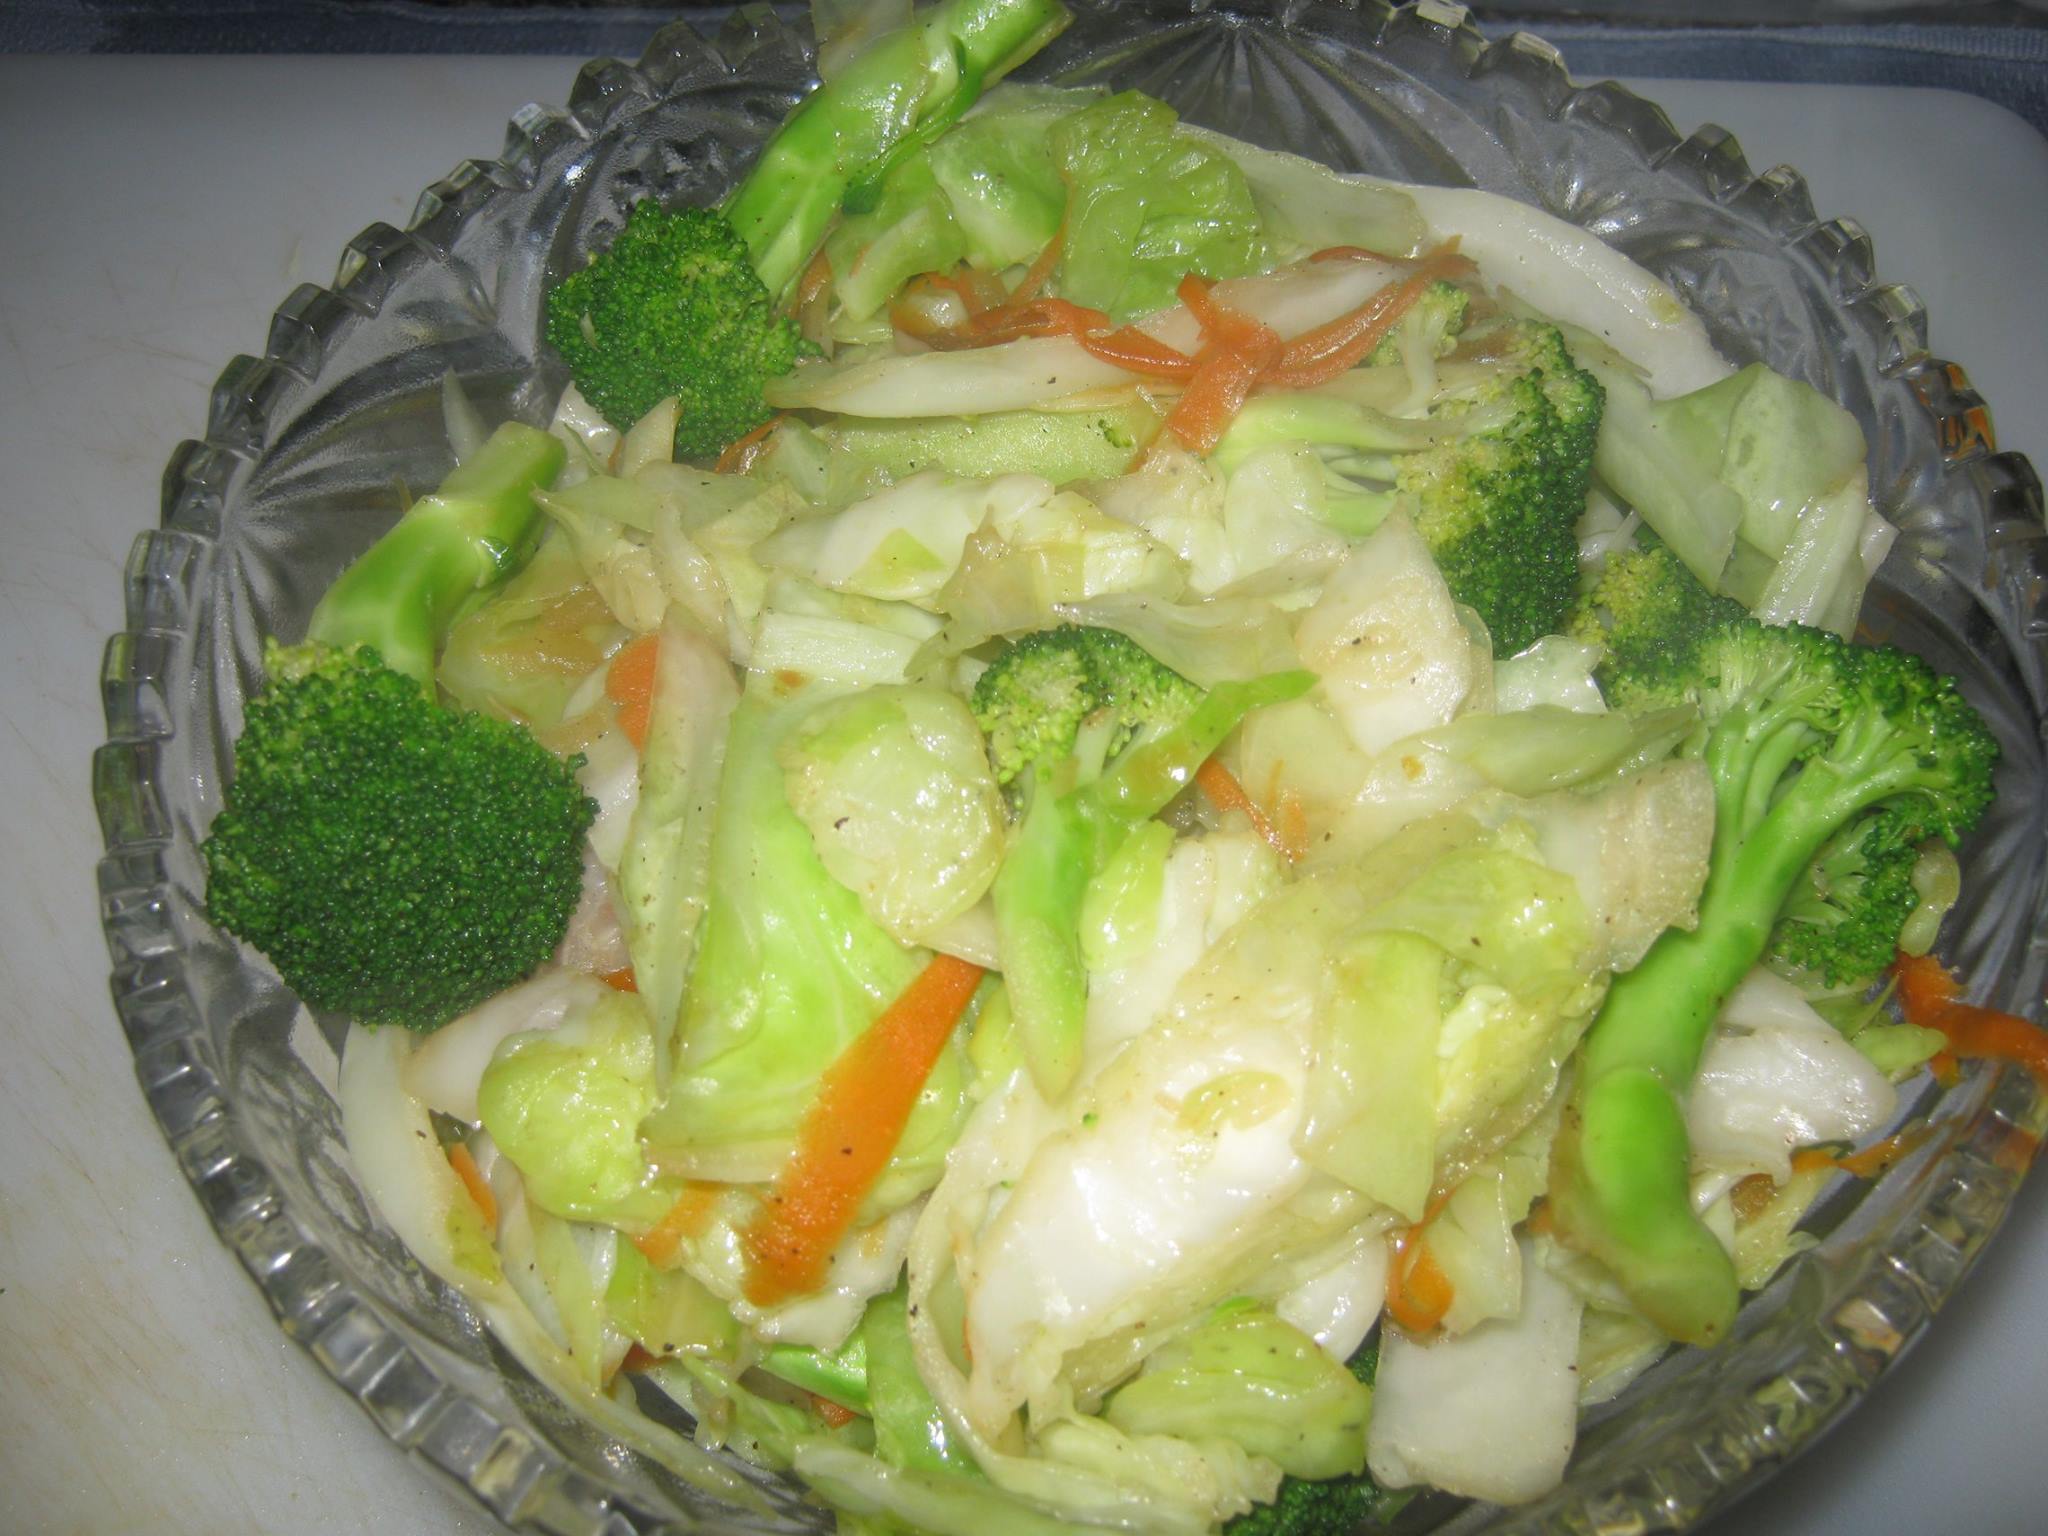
(1232, 753)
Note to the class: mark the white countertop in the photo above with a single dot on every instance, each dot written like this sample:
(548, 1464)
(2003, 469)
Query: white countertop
(143, 1384)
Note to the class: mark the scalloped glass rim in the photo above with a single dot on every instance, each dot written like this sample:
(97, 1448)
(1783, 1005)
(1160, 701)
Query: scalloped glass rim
(1970, 583)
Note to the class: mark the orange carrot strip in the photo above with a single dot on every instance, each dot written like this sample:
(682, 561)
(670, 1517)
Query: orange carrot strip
(850, 1131)
(1037, 317)
(1358, 253)
(816, 279)
(1213, 397)
(1293, 821)
(1321, 353)
(1226, 794)
(629, 683)
(912, 312)
(638, 1359)
(1880, 1155)
(835, 1416)
(473, 1180)
(739, 454)
(977, 290)
(685, 1219)
(1928, 994)
(1419, 1293)
(621, 980)
(1006, 322)
(1868, 1163)
(1223, 325)
(1039, 273)
(1135, 352)
(1241, 351)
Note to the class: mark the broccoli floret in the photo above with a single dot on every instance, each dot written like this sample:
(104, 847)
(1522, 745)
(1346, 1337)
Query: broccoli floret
(1807, 739)
(674, 307)
(1843, 919)
(1036, 697)
(1433, 324)
(687, 303)
(1494, 477)
(397, 861)
(1654, 617)
(1095, 735)
(1338, 1506)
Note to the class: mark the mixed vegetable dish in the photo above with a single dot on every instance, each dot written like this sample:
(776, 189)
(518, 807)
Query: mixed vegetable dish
(1112, 831)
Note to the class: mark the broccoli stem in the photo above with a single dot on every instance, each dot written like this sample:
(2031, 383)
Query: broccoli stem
(1064, 841)
(1625, 1190)
(931, 70)
(405, 592)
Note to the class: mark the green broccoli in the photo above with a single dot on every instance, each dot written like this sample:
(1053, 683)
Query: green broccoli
(1494, 477)
(1843, 919)
(1432, 322)
(1340, 1506)
(1035, 700)
(1806, 738)
(1097, 735)
(1654, 618)
(397, 861)
(674, 308)
(686, 303)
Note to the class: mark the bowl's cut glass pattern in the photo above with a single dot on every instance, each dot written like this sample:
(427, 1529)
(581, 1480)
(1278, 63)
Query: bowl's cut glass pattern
(309, 451)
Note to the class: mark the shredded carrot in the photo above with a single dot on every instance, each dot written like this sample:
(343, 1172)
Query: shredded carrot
(1293, 825)
(683, 1220)
(1240, 352)
(1419, 1293)
(851, 1129)
(977, 290)
(1812, 1159)
(914, 313)
(1226, 794)
(621, 980)
(1358, 253)
(740, 453)
(1318, 355)
(1036, 317)
(629, 683)
(1868, 1163)
(1946, 1069)
(1224, 379)
(816, 279)
(1880, 1155)
(834, 1415)
(1930, 995)
(1039, 273)
(473, 1180)
(1136, 352)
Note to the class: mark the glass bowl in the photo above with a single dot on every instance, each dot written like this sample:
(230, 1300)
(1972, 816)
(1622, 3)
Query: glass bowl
(308, 451)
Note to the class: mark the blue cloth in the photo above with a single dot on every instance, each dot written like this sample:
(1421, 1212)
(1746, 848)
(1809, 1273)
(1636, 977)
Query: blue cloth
(2007, 65)
(2004, 64)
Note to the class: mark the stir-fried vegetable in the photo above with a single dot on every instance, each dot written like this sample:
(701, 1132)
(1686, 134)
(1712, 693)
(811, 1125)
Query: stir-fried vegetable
(1225, 799)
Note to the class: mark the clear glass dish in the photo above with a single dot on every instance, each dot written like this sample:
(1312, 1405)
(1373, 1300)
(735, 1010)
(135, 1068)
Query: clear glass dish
(308, 449)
